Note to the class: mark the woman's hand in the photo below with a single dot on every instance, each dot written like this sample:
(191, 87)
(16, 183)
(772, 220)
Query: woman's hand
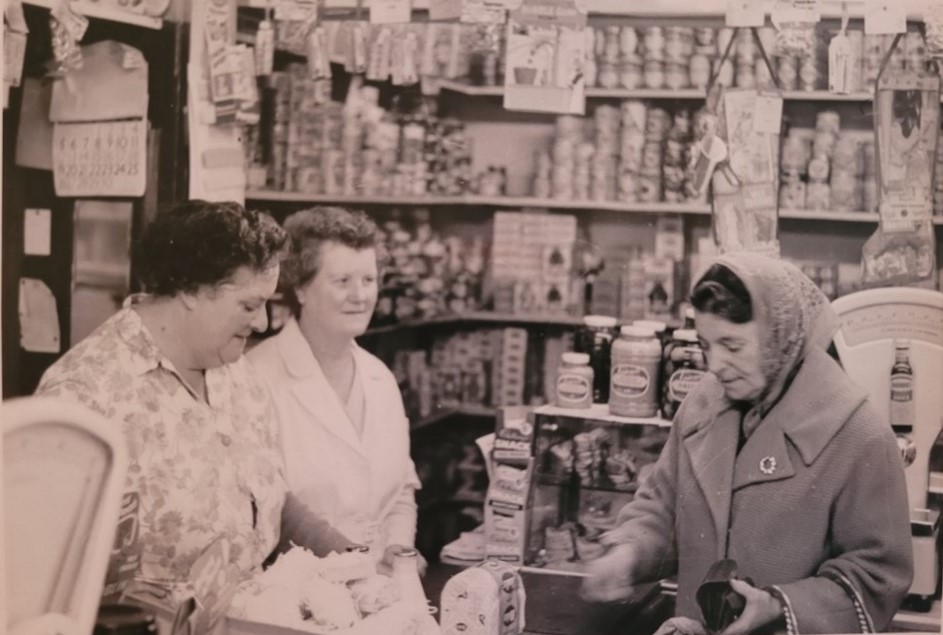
(610, 576)
(385, 566)
(761, 609)
(681, 626)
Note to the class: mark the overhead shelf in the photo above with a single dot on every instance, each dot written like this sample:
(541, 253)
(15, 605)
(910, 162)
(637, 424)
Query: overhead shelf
(695, 94)
(480, 316)
(102, 11)
(473, 200)
(446, 413)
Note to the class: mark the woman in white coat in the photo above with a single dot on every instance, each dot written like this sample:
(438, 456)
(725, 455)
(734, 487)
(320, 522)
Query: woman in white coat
(344, 429)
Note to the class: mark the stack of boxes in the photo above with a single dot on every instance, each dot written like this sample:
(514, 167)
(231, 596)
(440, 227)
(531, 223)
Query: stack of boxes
(508, 503)
(532, 262)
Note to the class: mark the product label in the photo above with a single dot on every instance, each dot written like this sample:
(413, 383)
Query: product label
(682, 382)
(630, 381)
(902, 387)
(573, 389)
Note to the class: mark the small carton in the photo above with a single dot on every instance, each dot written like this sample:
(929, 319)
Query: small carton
(507, 512)
(514, 441)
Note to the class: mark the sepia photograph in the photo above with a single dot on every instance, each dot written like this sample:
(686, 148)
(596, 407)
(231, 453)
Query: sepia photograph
(471, 317)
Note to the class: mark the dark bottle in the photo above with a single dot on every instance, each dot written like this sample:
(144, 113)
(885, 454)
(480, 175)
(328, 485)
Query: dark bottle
(902, 389)
(595, 338)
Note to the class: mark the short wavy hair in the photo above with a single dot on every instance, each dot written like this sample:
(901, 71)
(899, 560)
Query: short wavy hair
(200, 243)
(722, 293)
(309, 229)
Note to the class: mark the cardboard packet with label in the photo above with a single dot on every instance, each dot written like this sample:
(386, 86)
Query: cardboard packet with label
(507, 512)
(487, 599)
(514, 441)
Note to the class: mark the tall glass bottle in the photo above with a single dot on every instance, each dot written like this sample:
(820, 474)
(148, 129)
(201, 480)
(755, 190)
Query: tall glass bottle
(902, 411)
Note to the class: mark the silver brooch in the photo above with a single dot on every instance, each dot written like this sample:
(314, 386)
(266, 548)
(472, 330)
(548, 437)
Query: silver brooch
(768, 464)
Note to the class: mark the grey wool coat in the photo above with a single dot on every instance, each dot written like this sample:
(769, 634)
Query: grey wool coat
(814, 507)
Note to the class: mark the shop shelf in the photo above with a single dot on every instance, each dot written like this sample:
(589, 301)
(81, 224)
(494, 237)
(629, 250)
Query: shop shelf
(442, 414)
(465, 88)
(600, 412)
(479, 316)
(472, 200)
(103, 12)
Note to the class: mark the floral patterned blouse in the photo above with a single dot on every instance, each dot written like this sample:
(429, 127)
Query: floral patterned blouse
(201, 470)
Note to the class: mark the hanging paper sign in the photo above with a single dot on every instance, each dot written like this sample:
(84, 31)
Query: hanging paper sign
(100, 159)
(784, 11)
(301, 10)
(884, 17)
(264, 49)
(14, 52)
(746, 13)
(546, 52)
(484, 12)
(390, 11)
(440, 10)
(907, 124)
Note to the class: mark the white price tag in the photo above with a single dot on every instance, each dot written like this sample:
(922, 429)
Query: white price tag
(884, 17)
(746, 13)
(768, 114)
(390, 11)
(37, 232)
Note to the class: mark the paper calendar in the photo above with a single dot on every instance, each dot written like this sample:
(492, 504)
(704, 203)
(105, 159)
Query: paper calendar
(100, 159)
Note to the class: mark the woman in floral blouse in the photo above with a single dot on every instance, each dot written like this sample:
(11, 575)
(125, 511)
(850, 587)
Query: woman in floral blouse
(204, 457)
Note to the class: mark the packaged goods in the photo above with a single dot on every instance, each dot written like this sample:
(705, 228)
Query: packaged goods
(487, 599)
(595, 339)
(636, 362)
(507, 512)
(574, 381)
(685, 365)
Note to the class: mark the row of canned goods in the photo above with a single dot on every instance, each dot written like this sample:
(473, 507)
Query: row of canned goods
(637, 369)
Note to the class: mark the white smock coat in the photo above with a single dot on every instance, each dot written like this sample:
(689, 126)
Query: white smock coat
(364, 486)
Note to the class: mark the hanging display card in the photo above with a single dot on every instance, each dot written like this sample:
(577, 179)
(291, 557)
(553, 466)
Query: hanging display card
(100, 159)
(484, 11)
(907, 124)
(884, 17)
(746, 13)
(390, 11)
(546, 49)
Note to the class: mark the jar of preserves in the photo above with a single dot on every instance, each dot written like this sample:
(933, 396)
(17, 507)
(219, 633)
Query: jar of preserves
(595, 339)
(574, 381)
(636, 363)
(685, 365)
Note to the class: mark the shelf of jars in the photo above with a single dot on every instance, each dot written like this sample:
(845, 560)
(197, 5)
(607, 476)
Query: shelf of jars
(692, 94)
(473, 200)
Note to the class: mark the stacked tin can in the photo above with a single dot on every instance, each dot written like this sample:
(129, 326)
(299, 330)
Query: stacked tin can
(281, 115)
(657, 124)
(675, 160)
(653, 50)
(867, 167)
(566, 144)
(448, 157)
(678, 50)
(704, 53)
(819, 192)
(630, 153)
(605, 159)
(938, 180)
(608, 57)
(807, 71)
(796, 152)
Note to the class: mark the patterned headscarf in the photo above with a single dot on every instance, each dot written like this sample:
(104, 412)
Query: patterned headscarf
(793, 316)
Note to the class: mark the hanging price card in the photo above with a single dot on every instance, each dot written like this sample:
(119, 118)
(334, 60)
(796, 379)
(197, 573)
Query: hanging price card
(390, 11)
(100, 159)
(882, 17)
(746, 13)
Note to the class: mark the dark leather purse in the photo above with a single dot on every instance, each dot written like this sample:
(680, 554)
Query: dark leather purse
(719, 603)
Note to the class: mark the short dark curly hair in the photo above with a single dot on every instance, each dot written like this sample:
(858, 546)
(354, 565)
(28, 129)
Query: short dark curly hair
(309, 229)
(201, 243)
(721, 292)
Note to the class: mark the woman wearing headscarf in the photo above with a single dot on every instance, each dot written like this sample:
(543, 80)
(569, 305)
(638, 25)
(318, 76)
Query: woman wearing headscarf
(776, 460)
